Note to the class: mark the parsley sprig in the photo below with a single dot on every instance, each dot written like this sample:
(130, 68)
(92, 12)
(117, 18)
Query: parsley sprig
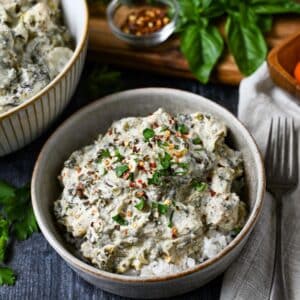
(16, 220)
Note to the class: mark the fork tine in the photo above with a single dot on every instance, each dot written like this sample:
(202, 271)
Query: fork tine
(277, 147)
(269, 152)
(285, 148)
(294, 164)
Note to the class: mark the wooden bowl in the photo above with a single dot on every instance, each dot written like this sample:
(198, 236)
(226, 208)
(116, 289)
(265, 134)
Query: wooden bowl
(282, 61)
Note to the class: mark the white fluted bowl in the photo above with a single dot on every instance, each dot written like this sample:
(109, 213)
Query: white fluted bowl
(22, 124)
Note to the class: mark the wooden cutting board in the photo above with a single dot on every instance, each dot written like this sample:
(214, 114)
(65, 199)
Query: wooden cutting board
(166, 58)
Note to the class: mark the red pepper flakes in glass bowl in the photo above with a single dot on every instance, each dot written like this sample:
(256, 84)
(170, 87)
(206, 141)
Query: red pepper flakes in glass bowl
(142, 22)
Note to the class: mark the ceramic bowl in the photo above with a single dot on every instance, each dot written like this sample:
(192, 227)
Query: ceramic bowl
(282, 61)
(22, 124)
(83, 128)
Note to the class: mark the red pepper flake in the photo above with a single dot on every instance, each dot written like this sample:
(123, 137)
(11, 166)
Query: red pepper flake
(110, 131)
(145, 21)
(140, 181)
(174, 232)
(132, 184)
(126, 175)
(152, 165)
(212, 193)
(80, 190)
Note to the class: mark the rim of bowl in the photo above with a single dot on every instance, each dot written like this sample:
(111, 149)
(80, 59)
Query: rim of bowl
(81, 265)
(42, 92)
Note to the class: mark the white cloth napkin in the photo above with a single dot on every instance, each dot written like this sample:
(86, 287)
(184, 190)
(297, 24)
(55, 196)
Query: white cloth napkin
(249, 277)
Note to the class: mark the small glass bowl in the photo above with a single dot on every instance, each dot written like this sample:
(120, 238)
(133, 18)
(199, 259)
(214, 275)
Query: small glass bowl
(118, 10)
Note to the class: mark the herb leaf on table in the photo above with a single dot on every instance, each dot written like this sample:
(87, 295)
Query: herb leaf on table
(16, 219)
(246, 43)
(7, 276)
(102, 81)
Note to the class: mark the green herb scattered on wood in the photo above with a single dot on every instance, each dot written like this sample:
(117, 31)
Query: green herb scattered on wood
(16, 220)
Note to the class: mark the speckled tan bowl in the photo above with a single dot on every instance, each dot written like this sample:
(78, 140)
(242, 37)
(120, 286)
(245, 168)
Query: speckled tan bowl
(83, 128)
(22, 124)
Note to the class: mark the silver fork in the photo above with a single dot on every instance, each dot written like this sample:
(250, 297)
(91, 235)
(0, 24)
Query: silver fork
(281, 162)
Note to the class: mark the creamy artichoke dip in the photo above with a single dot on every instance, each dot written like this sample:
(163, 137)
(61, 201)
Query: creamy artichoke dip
(154, 195)
(34, 48)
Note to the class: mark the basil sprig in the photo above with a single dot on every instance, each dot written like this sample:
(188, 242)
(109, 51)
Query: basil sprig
(202, 43)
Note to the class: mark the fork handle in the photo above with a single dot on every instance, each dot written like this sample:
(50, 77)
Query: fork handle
(278, 279)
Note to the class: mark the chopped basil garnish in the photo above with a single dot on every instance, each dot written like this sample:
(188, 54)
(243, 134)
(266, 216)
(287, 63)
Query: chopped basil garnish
(183, 129)
(120, 170)
(103, 154)
(170, 219)
(165, 161)
(148, 133)
(162, 208)
(119, 219)
(197, 141)
(199, 186)
(140, 206)
(184, 169)
(131, 177)
(156, 179)
(162, 144)
(118, 155)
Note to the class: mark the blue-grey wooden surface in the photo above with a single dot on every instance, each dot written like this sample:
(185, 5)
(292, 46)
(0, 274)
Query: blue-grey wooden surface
(41, 273)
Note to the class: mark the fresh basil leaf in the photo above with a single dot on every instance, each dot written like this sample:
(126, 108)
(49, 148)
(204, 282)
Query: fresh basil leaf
(182, 128)
(197, 141)
(156, 178)
(120, 220)
(165, 161)
(118, 155)
(7, 193)
(148, 134)
(246, 42)
(199, 186)
(104, 153)
(189, 10)
(202, 47)
(120, 170)
(140, 206)
(264, 23)
(162, 208)
(212, 9)
(275, 7)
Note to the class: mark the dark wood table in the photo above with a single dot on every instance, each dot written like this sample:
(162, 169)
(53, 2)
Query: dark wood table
(41, 273)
